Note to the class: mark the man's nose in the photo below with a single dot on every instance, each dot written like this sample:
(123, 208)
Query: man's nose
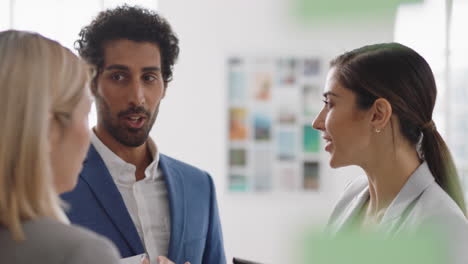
(137, 93)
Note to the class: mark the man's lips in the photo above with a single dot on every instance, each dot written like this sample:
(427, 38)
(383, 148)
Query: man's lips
(134, 120)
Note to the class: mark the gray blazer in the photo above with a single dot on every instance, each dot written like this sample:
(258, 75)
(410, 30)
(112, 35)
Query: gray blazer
(420, 204)
(48, 241)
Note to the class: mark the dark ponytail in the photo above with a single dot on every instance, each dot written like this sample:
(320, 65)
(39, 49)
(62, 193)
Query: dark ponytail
(440, 162)
(400, 75)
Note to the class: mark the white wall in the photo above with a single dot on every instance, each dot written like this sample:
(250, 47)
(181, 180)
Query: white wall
(192, 122)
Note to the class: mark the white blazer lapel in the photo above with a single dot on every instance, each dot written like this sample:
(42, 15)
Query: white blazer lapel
(418, 182)
(350, 213)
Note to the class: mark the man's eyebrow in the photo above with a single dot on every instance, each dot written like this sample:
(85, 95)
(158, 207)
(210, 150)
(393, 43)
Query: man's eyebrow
(147, 69)
(116, 67)
(125, 68)
(326, 94)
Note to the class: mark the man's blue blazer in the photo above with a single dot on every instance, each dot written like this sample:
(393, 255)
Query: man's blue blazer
(196, 235)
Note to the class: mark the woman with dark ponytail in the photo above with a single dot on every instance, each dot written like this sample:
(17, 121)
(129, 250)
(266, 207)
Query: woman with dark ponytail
(379, 101)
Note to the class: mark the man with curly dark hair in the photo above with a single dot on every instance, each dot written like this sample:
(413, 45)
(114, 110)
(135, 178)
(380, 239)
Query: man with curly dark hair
(142, 200)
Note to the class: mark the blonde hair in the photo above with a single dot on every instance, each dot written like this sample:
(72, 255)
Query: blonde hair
(40, 80)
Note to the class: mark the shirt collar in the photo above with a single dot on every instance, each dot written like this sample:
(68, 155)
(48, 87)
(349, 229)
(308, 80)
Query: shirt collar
(121, 170)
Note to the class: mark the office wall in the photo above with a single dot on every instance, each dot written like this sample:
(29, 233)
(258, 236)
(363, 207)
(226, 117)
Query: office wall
(193, 118)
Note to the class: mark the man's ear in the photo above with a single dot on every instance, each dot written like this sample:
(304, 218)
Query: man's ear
(93, 87)
(382, 112)
(95, 73)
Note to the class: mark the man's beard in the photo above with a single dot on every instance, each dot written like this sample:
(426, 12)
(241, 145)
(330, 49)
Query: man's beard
(131, 137)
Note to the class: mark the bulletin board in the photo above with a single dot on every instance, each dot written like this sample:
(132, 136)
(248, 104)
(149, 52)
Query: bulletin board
(272, 102)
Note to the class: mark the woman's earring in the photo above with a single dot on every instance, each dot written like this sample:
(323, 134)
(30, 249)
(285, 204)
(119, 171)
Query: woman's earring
(377, 130)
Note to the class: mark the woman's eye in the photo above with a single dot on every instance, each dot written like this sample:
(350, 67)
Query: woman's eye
(327, 103)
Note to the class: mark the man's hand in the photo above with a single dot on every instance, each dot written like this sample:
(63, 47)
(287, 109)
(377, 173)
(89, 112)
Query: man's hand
(145, 259)
(164, 260)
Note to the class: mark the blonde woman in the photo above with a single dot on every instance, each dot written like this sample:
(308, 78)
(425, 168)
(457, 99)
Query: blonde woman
(43, 140)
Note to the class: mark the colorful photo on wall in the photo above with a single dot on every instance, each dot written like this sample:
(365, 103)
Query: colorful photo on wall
(286, 145)
(311, 176)
(286, 114)
(262, 86)
(311, 67)
(287, 72)
(262, 168)
(271, 104)
(238, 123)
(237, 157)
(262, 126)
(311, 139)
(238, 182)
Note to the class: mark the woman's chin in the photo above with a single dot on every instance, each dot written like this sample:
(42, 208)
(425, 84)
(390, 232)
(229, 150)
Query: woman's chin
(334, 163)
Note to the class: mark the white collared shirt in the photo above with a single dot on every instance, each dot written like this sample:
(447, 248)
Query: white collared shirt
(146, 200)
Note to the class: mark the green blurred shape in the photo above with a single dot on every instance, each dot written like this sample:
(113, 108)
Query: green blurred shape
(372, 248)
(311, 139)
(339, 9)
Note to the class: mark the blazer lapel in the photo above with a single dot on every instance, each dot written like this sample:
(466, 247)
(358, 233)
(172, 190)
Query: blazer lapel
(96, 174)
(349, 216)
(175, 188)
(418, 182)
